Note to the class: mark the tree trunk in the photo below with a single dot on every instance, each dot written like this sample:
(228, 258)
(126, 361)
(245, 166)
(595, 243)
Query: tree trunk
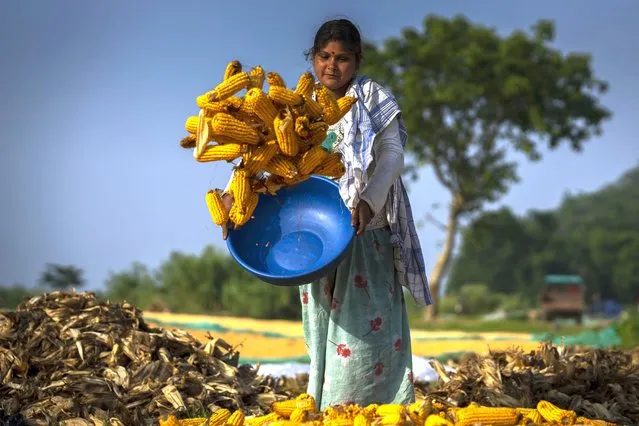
(438, 271)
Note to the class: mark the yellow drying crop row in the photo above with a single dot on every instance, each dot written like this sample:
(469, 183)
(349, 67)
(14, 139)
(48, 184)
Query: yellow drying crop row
(276, 130)
(303, 411)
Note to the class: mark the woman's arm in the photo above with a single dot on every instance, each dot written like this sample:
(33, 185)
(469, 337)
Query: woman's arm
(389, 163)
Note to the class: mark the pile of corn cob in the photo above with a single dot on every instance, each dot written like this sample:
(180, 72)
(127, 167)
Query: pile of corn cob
(303, 411)
(278, 131)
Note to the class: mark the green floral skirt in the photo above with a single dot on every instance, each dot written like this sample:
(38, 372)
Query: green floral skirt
(356, 329)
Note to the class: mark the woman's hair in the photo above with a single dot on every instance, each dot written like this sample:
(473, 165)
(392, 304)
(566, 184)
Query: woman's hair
(341, 30)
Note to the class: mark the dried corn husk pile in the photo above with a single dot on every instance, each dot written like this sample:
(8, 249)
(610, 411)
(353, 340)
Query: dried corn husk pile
(68, 355)
(595, 383)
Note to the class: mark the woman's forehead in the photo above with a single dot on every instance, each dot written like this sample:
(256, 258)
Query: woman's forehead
(335, 47)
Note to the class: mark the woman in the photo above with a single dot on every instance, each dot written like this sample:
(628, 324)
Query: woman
(355, 321)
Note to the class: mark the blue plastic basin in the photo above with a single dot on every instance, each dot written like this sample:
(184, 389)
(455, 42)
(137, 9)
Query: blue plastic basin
(296, 236)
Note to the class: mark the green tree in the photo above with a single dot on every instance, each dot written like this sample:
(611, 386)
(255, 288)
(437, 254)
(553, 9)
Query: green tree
(594, 235)
(135, 285)
(470, 96)
(62, 277)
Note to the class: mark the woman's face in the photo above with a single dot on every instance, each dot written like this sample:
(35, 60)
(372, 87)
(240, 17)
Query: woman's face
(335, 66)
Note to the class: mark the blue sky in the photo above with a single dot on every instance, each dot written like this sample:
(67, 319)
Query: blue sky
(95, 95)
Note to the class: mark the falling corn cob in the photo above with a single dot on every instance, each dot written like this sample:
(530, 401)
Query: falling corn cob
(318, 131)
(229, 87)
(257, 102)
(240, 213)
(240, 187)
(258, 156)
(305, 85)
(191, 124)
(274, 79)
(232, 68)
(311, 159)
(302, 126)
(496, 416)
(329, 104)
(188, 141)
(312, 107)
(257, 77)
(285, 133)
(344, 104)
(282, 95)
(226, 125)
(281, 166)
(224, 152)
(331, 167)
(218, 212)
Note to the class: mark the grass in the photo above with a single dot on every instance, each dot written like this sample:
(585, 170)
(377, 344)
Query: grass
(473, 325)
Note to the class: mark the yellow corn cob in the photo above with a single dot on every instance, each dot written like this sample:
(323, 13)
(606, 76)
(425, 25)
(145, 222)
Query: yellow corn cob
(552, 413)
(229, 87)
(188, 141)
(191, 124)
(393, 419)
(259, 156)
(241, 213)
(224, 152)
(279, 165)
(297, 179)
(232, 103)
(286, 408)
(219, 417)
(299, 416)
(240, 187)
(311, 159)
(261, 420)
(285, 133)
(370, 410)
(590, 422)
(236, 419)
(317, 133)
(274, 79)
(257, 77)
(329, 104)
(312, 107)
(171, 420)
(361, 420)
(435, 420)
(216, 207)
(386, 409)
(418, 411)
(226, 125)
(196, 421)
(305, 85)
(344, 104)
(302, 126)
(232, 68)
(284, 96)
(342, 421)
(496, 416)
(331, 167)
(257, 102)
(529, 415)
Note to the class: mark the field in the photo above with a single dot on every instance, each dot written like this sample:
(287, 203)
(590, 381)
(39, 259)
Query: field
(273, 339)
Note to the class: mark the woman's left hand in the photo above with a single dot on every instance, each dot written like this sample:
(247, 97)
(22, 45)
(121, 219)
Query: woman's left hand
(362, 215)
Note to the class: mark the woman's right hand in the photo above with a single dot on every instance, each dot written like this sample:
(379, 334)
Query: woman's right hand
(227, 201)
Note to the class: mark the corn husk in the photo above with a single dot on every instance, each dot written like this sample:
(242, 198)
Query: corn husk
(71, 357)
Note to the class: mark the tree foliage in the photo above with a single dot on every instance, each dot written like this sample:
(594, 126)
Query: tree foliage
(470, 96)
(62, 277)
(594, 235)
